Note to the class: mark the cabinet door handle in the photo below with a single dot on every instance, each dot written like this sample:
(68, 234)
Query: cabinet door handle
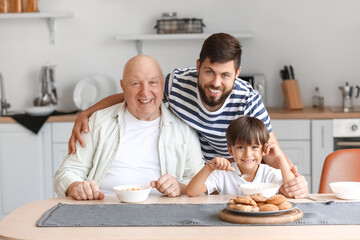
(349, 144)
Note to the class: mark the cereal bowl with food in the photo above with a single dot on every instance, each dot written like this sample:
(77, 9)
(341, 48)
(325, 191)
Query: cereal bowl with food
(267, 189)
(132, 193)
(346, 190)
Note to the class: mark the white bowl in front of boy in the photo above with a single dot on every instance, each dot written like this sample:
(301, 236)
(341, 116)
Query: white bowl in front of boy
(132, 193)
(267, 189)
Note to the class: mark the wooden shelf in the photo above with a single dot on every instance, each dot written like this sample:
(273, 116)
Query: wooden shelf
(49, 16)
(181, 36)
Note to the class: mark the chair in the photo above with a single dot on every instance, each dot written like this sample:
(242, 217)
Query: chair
(341, 165)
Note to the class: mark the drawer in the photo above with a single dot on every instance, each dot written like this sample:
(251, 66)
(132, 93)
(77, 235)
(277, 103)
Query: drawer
(61, 131)
(291, 129)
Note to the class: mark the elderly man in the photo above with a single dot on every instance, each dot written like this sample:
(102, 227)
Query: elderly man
(139, 141)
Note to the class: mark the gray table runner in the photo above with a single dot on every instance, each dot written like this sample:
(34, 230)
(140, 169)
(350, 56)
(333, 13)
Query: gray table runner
(114, 215)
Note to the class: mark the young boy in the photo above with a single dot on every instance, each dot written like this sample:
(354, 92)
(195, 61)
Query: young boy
(247, 139)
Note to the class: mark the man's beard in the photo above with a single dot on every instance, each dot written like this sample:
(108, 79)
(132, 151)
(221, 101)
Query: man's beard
(211, 101)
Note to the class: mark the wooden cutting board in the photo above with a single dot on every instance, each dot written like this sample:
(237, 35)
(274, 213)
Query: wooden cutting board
(286, 217)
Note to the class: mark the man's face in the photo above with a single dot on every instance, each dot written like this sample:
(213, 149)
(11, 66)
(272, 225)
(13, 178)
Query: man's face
(215, 82)
(143, 89)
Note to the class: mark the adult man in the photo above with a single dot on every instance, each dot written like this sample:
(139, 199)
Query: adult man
(208, 98)
(134, 142)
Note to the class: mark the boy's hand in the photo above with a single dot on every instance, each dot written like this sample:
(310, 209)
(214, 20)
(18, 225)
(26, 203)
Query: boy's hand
(220, 163)
(272, 150)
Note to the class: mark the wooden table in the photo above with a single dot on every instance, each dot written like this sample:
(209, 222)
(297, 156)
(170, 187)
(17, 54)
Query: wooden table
(20, 224)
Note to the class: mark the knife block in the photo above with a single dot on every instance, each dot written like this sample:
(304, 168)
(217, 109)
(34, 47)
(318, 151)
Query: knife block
(292, 94)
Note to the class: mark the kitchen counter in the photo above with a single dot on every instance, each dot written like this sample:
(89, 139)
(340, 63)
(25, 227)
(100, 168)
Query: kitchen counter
(309, 113)
(275, 113)
(61, 118)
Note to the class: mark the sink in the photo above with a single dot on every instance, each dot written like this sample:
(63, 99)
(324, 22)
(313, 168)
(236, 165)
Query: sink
(341, 110)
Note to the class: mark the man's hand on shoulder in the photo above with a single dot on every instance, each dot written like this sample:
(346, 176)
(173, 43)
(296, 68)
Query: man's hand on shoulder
(86, 190)
(81, 124)
(297, 187)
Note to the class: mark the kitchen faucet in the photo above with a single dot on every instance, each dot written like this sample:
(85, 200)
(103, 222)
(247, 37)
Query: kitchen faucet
(4, 104)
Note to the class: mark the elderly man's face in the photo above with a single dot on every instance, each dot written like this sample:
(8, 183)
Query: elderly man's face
(143, 88)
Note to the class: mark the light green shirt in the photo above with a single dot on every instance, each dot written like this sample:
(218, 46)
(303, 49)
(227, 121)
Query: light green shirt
(179, 149)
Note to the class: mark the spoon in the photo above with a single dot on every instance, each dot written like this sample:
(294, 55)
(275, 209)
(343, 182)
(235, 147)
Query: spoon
(324, 201)
(239, 174)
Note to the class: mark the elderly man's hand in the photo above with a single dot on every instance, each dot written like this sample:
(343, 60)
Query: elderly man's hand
(81, 124)
(297, 187)
(86, 190)
(167, 185)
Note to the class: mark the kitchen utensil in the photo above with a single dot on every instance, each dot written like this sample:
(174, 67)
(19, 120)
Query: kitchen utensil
(324, 201)
(292, 74)
(286, 72)
(347, 96)
(46, 97)
(239, 174)
(51, 81)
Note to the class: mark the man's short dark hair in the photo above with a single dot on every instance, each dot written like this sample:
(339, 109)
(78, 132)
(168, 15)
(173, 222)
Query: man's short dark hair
(221, 48)
(247, 130)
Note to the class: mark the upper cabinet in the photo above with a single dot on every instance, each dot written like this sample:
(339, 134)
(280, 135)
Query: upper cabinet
(49, 16)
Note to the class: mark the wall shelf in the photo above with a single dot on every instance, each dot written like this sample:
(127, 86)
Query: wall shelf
(49, 16)
(183, 36)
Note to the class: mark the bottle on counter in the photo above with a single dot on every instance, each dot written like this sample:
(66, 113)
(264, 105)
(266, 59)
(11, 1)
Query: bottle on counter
(5, 6)
(316, 97)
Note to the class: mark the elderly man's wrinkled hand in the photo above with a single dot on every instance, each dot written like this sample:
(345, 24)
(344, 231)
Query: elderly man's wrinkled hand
(86, 190)
(297, 187)
(167, 185)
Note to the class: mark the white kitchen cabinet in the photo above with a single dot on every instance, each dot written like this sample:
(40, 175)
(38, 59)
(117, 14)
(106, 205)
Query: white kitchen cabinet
(294, 139)
(26, 170)
(322, 145)
(61, 132)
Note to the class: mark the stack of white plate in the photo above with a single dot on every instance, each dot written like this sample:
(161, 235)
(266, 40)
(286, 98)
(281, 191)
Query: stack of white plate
(90, 90)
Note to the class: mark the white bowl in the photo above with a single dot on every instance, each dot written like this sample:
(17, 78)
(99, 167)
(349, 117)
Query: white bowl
(39, 110)
(346, 190)
(125, 193)
(267, 189)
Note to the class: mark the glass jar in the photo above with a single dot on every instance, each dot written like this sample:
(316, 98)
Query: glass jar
(4, 6)
(18, 6)
(32, 6)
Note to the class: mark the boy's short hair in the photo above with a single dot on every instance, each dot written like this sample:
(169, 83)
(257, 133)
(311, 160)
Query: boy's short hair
(247, 130)
(221, 48)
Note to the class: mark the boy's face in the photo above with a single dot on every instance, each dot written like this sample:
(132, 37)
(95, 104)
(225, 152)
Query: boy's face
(247, 157)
